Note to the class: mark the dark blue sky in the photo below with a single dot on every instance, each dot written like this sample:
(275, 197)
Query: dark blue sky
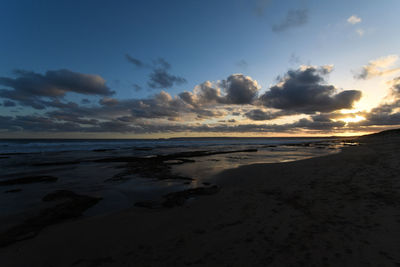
(201, 41)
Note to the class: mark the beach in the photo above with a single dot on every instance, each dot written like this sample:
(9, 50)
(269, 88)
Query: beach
(341, 209)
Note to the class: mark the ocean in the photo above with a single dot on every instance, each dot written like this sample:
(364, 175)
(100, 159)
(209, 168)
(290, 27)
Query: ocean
(53, 145)
(84, 166)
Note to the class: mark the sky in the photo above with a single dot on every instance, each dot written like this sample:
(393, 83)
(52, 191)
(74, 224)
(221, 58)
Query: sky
(159, 69)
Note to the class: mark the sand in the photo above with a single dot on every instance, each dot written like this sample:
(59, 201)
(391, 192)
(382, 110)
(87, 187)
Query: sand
(335, 210)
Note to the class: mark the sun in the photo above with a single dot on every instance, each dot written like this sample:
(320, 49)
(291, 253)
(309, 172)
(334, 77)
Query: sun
(356, 118)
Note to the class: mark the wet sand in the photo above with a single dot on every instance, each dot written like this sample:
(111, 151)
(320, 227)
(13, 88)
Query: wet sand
(336, 210)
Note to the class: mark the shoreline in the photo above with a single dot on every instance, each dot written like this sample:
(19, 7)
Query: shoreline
(129, 176)
(340, 209)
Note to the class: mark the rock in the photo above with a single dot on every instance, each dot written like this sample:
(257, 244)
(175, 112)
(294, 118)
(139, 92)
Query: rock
(56, 163)
(13, 190)
(103, 149)
(178, 198)
(60, 194)
(29, 180)
(149, 204)
(159, 166)
(73, 207)
(143, 148)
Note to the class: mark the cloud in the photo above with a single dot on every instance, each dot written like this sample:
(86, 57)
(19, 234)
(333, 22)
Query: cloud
(261, 6)
(294, 18)
(295, 59)
(121, 125)
(354, 19)
(159, 78)
(138, 63)
(108, 101)
(360, 32)
(304, 91)
(213, 106)
(320, 125)
(85, 101)
(378, 67)
(8, 103)
(240, 89)
(387, 113)
(261, 115)
(384, 114)
(242, 64)
(29, 88)
(396, 87)
(162, 63)
(136, 87)
(237, 89)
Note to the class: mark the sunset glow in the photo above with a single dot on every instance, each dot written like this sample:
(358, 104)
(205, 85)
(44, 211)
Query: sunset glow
(356, 118)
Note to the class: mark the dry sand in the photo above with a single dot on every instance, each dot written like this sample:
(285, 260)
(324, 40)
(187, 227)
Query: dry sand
(336, 210)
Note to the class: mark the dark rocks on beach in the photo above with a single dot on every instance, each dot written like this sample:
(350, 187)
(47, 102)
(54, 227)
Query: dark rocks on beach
(298, 144)
(60, 194)
(56, 163)
(175, 156)
(143, 148)
(178, 161)
(13, 190)
(103, 150)
(159, 166)
(73, 206)
(178, 198)
(29, 180)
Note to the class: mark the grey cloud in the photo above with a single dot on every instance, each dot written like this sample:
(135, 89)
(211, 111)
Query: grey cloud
(242, 64)
(159, 78)
(72, 118)
(295, 59)
(161, 105)
(162, 112)
(396, 87)
(240, 89)
(304, 91)
(294, 18)
(136, 87)
(376, 118)
(261, 6)
(138, 63)
(8, 103)
(189, 98)
(387, 113)
(384, 114)
(37, 124)
(206, 94)
(108, 101)
(29, 88)
(237, 89)
(43, 124)
(162, 63)
(319, 125)
(261, 115)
